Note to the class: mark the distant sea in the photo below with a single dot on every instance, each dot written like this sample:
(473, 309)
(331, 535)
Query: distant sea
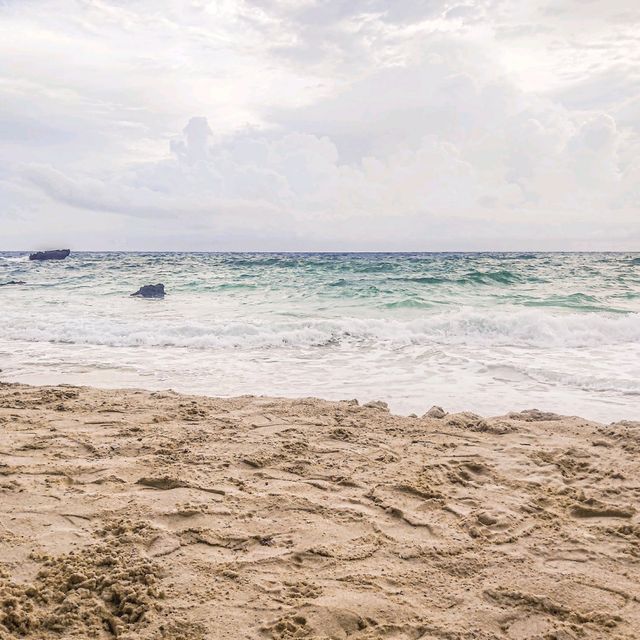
(488, 332)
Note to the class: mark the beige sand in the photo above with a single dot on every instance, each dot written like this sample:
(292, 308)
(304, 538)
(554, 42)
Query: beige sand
(157, 515)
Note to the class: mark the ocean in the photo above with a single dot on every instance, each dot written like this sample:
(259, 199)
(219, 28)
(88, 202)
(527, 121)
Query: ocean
(488, 333)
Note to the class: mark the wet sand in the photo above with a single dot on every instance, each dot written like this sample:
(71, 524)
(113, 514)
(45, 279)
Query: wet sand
(144, 515)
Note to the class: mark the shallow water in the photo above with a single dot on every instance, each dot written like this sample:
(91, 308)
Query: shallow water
(482, 332)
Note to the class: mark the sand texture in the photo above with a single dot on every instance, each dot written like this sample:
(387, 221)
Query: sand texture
(133, 514)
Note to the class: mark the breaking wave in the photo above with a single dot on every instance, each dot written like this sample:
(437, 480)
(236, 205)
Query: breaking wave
(472, 327)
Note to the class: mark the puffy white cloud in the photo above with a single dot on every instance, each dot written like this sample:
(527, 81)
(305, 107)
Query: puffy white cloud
(322, 124)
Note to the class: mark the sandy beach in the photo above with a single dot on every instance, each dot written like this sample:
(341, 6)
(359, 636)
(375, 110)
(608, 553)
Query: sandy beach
(144, 515)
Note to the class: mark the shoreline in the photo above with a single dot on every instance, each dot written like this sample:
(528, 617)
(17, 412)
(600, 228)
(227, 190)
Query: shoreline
(142, 515)
(398, 407)
(478, 333)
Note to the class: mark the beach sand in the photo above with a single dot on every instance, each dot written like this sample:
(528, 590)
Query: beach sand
(159, 515)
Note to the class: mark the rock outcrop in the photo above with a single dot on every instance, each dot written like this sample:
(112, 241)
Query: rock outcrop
(377, 404)
(6, 284)
(55, 254)
(150, 291)
(435, 412)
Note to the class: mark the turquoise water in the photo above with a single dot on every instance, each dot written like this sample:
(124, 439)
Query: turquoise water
(485, 332)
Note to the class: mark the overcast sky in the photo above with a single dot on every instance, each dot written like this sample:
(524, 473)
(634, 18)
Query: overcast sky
(320, 124)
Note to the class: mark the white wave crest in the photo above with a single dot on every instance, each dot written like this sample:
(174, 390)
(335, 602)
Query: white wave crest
(472, 327)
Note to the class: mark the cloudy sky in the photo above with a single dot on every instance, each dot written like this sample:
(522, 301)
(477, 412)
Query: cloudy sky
(320, 124)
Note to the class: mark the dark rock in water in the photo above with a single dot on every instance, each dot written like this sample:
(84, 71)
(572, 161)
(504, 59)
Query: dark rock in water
(150, 291)
(56, 254)
(5, 284)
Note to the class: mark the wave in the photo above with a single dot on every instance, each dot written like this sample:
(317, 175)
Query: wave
(490, 277)
(604, 380)
(259, 262)
(581, 301)
(374, 267)
(423, 280)
(408, 303)
(472, 277)
(587, 382)
(471, 327)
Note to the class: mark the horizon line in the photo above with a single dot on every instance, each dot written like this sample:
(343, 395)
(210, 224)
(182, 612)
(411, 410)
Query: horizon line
(328, 251)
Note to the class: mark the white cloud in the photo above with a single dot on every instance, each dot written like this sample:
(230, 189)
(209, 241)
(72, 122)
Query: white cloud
(322, 124)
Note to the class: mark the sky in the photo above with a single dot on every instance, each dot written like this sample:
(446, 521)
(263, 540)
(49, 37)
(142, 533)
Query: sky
(313, 125)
